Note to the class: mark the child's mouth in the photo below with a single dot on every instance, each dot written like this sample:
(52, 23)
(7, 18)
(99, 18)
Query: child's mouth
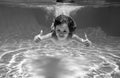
(61, 35)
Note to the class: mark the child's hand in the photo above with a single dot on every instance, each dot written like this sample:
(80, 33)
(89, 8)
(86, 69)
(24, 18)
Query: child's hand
(86, 41)
(38, 37)
(87, 44)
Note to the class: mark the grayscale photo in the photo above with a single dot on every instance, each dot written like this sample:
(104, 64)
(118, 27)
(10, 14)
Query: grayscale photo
(59, 39)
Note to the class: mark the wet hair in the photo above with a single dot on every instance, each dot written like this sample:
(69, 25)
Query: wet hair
(61, 19)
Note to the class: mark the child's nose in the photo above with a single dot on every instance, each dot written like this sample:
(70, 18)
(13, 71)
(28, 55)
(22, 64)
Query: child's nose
(62, 32)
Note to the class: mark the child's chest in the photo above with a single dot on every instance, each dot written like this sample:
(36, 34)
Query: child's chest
(62, 42)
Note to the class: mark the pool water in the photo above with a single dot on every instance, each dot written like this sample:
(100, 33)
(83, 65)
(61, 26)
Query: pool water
(46, 60)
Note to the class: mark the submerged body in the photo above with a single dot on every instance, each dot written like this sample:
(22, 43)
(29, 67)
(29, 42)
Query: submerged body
(62, 32)
(61, 41)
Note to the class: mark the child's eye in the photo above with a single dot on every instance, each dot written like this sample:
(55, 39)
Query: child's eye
(64, 31)
(58, 30)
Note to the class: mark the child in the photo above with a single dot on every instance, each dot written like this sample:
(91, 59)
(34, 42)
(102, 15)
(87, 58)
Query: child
(62, 32)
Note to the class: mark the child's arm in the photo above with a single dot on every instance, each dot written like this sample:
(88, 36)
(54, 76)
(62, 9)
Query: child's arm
(86, 41)
(76, 37)
(40, 37)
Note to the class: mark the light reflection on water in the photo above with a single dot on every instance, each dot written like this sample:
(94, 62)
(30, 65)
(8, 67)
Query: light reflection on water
(51, 61)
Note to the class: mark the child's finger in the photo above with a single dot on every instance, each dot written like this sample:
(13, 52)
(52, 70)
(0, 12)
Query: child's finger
(41, 32)
(37, 39)
(86, 36)
(87, 44)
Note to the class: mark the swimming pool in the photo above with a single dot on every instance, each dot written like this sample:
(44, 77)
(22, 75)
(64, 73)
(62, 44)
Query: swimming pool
(21, 57)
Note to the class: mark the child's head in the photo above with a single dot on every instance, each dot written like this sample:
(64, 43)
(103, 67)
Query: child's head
(63, 27)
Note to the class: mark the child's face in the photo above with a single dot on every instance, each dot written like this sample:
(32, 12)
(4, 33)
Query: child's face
(62, 31)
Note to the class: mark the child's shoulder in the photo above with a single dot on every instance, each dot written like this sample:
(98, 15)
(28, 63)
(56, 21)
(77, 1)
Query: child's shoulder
(75, 36)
